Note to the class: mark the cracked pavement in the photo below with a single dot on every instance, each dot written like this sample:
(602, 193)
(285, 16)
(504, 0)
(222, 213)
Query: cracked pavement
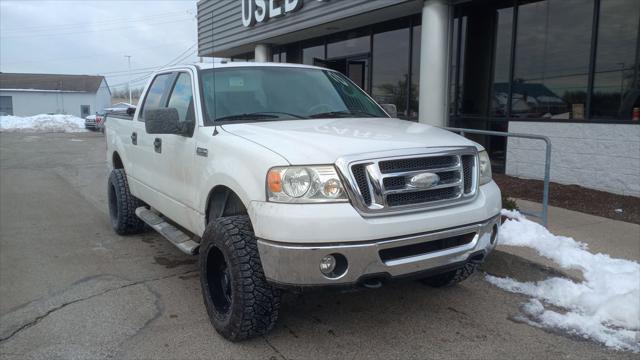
(72, 289)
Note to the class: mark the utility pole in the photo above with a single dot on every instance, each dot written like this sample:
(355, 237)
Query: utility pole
(129, 86)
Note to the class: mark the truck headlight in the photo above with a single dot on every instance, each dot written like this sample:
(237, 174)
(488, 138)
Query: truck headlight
(485, 167)
(305, 184)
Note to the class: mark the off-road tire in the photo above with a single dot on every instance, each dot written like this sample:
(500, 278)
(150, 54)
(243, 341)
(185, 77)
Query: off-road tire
(451, 278)
(123, 205)
(252, 303)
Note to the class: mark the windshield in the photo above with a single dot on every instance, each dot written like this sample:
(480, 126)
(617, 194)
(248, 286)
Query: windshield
(281, 93)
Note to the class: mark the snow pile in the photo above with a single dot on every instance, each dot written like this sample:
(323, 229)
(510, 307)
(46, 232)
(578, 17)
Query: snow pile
(42, 123)
(605, 307)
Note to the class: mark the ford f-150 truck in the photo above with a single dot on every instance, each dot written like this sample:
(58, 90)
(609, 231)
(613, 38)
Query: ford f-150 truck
(283, 176)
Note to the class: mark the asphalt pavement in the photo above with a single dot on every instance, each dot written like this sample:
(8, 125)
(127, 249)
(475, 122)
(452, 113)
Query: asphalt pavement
(70, 288)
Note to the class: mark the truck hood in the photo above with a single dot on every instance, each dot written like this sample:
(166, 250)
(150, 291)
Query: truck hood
(323, 141)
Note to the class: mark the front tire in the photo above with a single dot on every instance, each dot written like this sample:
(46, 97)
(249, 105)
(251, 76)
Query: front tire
(123, 205)
(241, 304)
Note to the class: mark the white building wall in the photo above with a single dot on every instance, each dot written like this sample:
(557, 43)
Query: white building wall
(28, 103)
(598, 156)
(102, 98)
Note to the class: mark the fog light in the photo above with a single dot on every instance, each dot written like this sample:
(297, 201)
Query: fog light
(328, 264)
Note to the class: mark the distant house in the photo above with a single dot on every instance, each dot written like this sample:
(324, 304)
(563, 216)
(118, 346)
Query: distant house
(32, 94)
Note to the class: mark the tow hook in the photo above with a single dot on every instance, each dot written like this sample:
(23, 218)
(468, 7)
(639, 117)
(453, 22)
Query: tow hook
(372, 284)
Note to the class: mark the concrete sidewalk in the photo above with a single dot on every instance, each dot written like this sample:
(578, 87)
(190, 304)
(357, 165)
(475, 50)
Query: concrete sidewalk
(616, 238)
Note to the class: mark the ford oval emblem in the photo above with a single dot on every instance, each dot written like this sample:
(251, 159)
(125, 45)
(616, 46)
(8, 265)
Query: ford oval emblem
(424, 180)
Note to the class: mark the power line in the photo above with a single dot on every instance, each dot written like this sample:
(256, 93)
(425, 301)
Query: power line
(39, 60)
(181, 57)
(150, 73)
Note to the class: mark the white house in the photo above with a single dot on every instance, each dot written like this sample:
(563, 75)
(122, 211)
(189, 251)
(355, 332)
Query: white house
(32, 94)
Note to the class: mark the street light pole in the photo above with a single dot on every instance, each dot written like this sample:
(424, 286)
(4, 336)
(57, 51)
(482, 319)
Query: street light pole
(129, 85)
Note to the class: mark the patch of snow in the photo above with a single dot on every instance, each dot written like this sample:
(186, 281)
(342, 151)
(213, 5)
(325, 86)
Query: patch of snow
(42, 123)
(605, 307)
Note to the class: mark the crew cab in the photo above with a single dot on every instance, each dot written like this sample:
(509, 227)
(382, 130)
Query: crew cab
(284, 176)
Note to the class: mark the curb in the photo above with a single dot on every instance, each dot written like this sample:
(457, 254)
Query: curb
(503, 264)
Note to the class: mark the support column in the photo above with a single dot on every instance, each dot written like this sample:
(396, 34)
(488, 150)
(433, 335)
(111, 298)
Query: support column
(263, 53)
(434, 62)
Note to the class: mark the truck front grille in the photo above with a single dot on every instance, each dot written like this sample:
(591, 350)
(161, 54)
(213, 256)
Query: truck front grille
(443, 177)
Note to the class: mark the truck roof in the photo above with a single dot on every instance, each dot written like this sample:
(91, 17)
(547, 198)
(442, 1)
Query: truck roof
(237, 64)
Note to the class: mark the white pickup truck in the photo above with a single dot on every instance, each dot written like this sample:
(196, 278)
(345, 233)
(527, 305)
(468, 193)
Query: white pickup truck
(284, 176)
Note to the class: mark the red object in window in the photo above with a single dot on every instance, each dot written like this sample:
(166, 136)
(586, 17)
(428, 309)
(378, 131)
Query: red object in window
(636, 114)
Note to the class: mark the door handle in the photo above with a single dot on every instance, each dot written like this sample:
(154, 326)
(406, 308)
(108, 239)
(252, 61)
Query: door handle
(157, 145)
(134, 138)
(202, 152)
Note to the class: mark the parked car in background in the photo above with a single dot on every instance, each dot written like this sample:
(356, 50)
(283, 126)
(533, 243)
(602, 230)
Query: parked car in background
(94, 122)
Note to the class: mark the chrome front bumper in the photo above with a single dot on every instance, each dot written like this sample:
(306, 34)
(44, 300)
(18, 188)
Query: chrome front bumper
(299, 265)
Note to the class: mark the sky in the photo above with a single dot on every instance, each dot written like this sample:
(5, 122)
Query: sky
(93, 37)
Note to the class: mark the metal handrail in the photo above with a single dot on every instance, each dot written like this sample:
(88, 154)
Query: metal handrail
(547, 164)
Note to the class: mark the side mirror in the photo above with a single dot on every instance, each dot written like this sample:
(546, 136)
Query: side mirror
(131, 111)
(391, 109)
(162, 121)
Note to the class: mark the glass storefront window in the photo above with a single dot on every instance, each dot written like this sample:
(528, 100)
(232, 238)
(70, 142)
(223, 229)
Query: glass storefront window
(500, 96)
(354, 44)
(414, 91)
(309, 54)
(614, 94)
(458, 53)
(552, 59)
(280, 56)
(391, 68)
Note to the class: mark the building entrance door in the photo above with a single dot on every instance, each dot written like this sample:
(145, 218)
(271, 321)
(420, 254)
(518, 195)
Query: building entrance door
(355, 68)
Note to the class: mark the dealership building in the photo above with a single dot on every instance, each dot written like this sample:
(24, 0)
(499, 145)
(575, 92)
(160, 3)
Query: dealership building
(566, 69)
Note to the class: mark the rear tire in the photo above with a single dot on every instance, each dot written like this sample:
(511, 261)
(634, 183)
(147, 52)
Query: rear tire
(241, 304)
(123, 205)
(451, 278)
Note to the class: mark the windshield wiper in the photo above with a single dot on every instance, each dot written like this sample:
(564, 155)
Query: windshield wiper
(249, 116)
(331, 114)
(280, 112)
(344, 113)
(266, 115)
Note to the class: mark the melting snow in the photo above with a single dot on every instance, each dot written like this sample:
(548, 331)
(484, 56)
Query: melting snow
(42, 123)
(605, 307)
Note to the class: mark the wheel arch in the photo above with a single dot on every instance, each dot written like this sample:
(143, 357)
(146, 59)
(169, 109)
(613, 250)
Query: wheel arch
(116, 161)
(222, 201)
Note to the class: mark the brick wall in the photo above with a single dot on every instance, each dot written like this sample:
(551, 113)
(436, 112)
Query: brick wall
(598, 156)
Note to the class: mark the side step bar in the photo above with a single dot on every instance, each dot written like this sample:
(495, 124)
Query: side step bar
(178, 238)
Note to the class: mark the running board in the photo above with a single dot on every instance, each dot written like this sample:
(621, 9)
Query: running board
(178, 238)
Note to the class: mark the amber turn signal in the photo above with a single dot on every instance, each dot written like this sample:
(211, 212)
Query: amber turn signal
(274, 181)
